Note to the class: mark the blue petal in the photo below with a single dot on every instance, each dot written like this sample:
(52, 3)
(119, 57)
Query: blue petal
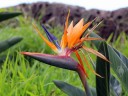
(51, 37)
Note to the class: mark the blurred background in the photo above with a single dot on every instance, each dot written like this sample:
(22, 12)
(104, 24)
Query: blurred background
(53, 12)
(88, 4)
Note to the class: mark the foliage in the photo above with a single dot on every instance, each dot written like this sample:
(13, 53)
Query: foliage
(6, 15)
(10, 42)
(102, 84)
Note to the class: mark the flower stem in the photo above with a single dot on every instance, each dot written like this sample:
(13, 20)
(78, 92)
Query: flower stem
(84, 82)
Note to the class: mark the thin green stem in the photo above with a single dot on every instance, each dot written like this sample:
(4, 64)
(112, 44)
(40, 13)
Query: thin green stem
(84, 82)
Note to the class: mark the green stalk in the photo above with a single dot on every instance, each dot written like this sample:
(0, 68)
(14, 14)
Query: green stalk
(84, 82)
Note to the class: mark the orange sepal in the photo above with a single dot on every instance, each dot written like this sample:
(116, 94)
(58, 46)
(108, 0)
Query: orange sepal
(86, 62)
(96, 53)
(74, 36)
(63, 43)
(51, 45)
(83, 70)
(81, 63)
(79, 58)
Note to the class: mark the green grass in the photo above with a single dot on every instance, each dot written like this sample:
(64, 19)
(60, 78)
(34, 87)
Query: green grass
(19, 77)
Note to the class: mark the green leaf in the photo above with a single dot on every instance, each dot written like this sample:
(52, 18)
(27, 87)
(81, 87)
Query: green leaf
(118, 63)
(69, 89)
(103, 68)
(3, 58)
(93, 91)
(9, 43)
(6, 15)
(115, 86)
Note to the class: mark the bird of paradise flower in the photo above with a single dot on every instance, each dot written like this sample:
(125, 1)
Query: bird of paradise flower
(72, 41)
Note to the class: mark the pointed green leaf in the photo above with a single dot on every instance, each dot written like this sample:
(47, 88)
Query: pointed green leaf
(72, 90)
(103, 68)
(115, 86)
(3, 58)
(6, 15)
(119, 63)
(9, 43)
(69, 89)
